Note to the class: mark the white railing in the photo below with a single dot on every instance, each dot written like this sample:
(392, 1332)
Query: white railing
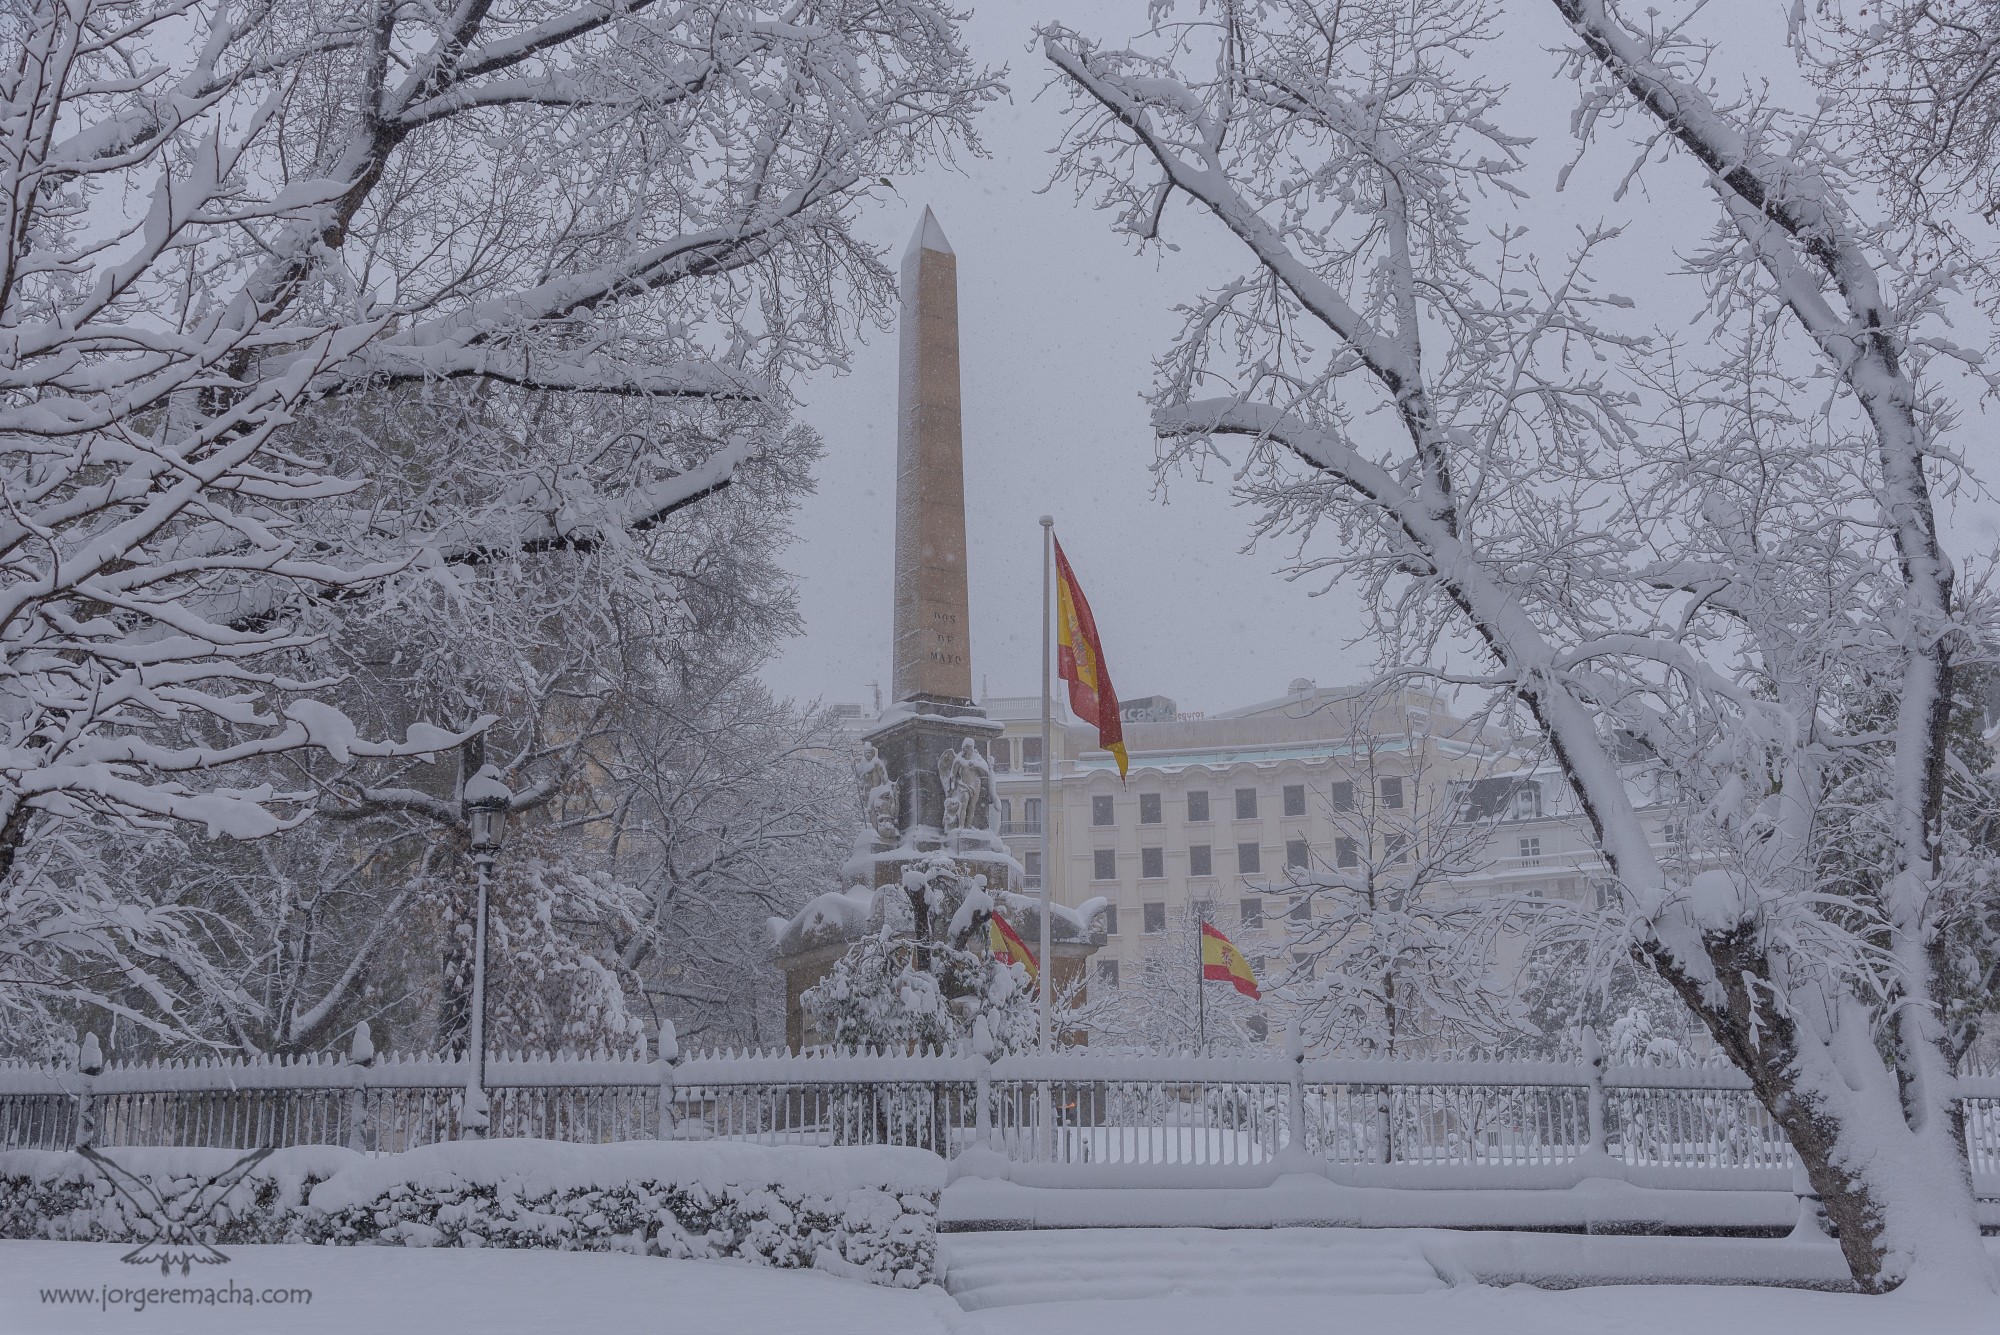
(1069, 1116)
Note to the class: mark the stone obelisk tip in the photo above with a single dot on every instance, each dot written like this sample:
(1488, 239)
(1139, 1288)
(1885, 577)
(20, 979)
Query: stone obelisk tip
(928, 236)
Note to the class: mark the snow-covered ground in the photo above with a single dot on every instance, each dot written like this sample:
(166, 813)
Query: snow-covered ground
(445, 1291)
(1169, 1282)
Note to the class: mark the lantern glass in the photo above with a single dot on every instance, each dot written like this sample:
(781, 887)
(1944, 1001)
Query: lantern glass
(488, 825)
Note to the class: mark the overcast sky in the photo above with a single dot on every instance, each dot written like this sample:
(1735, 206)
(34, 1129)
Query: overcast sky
(1059, 322)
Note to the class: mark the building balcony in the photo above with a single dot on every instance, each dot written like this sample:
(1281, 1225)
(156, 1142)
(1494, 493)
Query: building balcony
(1013, 828)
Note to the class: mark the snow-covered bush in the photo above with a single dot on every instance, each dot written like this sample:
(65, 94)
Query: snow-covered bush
(869, 1213)
(926, 978)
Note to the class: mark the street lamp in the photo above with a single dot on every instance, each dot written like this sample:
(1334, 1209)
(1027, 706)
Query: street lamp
(486, 801)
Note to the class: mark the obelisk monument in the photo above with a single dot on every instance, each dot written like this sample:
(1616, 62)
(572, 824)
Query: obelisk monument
(941, 800)
(933, 652)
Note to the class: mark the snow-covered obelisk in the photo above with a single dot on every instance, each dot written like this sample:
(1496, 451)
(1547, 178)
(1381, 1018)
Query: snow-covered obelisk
(933, 653)
(942, 799)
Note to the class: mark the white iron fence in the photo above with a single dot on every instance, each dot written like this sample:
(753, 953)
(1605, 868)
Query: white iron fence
(1080, 1114)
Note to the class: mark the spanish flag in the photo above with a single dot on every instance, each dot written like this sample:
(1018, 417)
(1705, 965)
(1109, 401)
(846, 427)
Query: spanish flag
(1222, 962)
(1080, 662)
(1008, 947)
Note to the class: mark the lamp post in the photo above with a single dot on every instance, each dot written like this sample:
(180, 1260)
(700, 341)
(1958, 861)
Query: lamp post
(486, 801)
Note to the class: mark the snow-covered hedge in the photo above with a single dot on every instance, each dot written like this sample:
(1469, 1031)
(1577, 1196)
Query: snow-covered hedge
(866, 1212)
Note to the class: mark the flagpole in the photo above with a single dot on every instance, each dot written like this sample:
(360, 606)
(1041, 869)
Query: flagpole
(1200, 993)
(1048, 819)
(1048, 765)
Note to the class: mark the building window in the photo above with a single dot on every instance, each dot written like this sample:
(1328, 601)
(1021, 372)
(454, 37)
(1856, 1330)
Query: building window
(1203, 909)
(1107, 973)
(1031, 863)
(1003, 754)
(1156, 919)
(1149, 808)
(1152, 864)
(1392, 793)
(1531, 851)
(1031, 815)
(1006, 815)
(1346, 852)
(1296, 853)
(1257, 966)
(1302, 911)
(1528, 801)
(1250, 912)
(1249, 859)
(1198, 807)
(1672, 832)
(1295, 799)
(1603, 889)
(1104, 865)
(1100, 811)
(1246, 803)
(1031, 755)
(1396, 847)
(1111, 920)
(1343, 796)
(1199, 861)
(1259, 1027)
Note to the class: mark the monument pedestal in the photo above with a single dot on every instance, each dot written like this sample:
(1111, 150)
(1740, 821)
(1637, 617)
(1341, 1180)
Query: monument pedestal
(915, 737)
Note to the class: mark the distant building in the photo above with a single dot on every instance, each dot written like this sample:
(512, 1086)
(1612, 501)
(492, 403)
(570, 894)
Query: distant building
(1216, 809)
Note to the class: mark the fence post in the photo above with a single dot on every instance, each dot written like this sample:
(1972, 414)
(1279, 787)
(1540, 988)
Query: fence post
(982, 1089)
(1593, 1057)
(360, 1056)
(1811, 1223)
(1381, 1149)
(89, 1061)
(670, 1057)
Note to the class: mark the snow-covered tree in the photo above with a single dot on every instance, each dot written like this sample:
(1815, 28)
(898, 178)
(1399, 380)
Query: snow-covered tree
(1912, 88)
(882, 995)
(1388, 957)
(1707, 548)
(1164, 1004)
(721, 813)
(926, 978)
(247, 245)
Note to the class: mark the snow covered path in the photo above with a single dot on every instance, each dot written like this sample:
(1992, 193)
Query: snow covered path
(1190, 1281)
(985, 1270)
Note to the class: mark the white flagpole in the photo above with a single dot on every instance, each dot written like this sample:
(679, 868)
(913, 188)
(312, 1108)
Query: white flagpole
(1048, 764)
(1047, 1109)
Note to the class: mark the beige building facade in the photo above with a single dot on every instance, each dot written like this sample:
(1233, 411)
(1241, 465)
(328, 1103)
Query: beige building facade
(1216, 811)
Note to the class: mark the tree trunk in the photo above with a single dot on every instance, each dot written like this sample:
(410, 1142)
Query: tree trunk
(1893, 1178)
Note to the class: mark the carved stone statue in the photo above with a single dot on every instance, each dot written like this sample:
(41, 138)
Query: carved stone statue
(878, 795)
(964, 775)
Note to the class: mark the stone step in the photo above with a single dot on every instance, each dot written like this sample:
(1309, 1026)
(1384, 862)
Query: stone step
(1004, 1269)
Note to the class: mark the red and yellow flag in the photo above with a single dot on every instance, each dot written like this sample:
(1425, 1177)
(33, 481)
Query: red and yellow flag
(1008, 947)
(1222, 962)
(1080, 662)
